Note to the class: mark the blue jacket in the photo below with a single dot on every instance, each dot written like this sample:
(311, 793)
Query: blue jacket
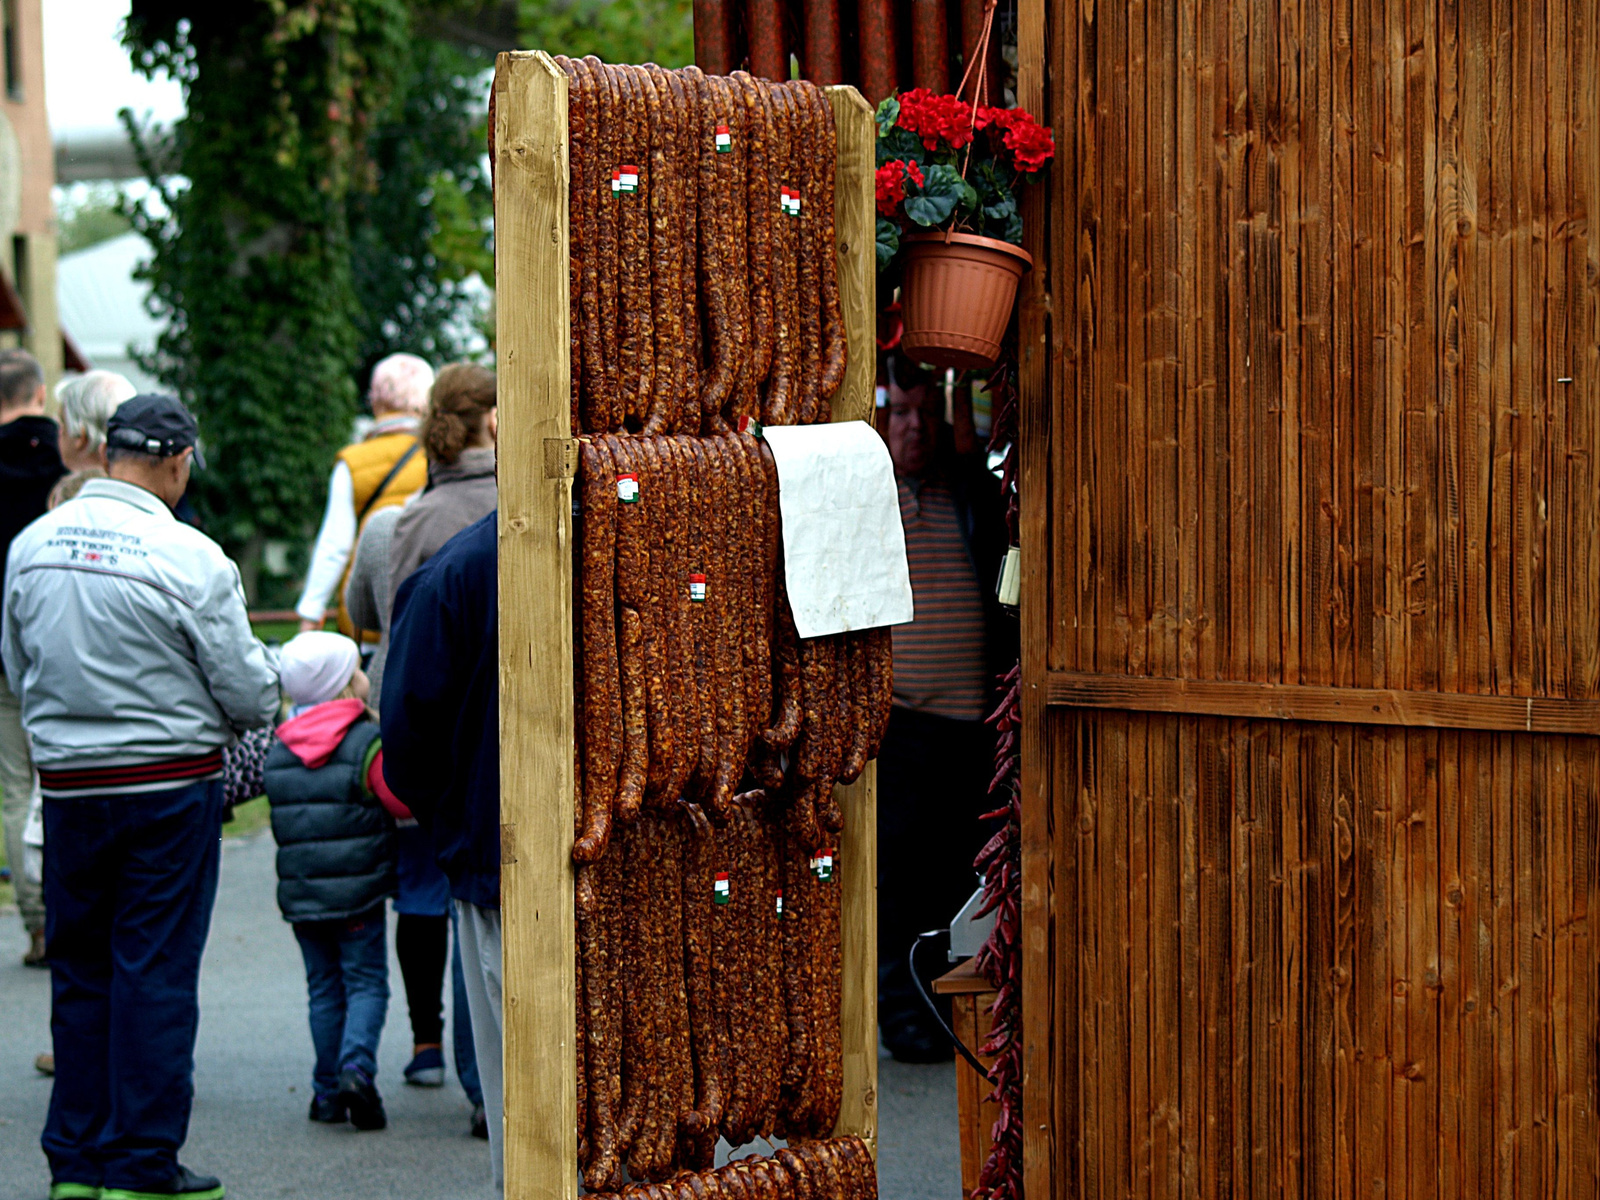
(441, 708)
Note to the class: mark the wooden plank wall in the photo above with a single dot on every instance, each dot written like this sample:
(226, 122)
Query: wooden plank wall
(1310, 397)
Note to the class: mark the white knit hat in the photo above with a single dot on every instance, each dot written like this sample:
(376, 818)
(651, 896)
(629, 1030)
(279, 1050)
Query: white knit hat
(315, 666)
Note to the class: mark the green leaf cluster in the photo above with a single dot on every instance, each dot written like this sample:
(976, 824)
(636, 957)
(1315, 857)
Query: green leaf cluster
(619, 31)
(983, 201)
(331, 200)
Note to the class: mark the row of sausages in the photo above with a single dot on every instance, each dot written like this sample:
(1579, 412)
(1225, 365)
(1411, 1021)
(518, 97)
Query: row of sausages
(829, 1169)
(709, 984)
(691, 679)
(704, 283)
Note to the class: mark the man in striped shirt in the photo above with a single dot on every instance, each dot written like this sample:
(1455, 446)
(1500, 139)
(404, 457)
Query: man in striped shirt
(935, 763)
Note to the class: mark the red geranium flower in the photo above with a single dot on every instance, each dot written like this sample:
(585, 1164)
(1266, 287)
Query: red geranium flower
(1031, 144)
(891, 183)
(935, 118)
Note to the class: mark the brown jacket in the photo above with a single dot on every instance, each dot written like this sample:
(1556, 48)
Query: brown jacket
(457, 494)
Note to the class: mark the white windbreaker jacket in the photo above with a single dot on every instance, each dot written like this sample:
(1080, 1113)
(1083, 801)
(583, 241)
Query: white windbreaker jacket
(126, 636)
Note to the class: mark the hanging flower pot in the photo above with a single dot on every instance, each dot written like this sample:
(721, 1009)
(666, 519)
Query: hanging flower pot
(949, 225)
(956, 295)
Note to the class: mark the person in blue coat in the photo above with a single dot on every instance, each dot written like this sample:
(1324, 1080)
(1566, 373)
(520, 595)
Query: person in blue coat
(441, 736)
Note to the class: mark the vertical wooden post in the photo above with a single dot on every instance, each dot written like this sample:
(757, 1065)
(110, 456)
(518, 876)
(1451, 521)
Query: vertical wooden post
(536, 702)
(855, 227)
(1047, 1169)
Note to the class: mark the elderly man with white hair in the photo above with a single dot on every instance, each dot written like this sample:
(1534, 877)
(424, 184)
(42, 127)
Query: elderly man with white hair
(378, 472)
(87, 402)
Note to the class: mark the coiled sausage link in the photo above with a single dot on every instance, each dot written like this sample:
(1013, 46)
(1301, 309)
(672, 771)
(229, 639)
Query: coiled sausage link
(602, 700)
(835, 353)
(608, 409)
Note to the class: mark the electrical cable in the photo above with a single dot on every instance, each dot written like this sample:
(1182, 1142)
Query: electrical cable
(927, 1000)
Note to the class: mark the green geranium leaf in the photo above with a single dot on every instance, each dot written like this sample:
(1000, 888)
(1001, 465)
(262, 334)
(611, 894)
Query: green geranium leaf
(900, 144)
(930, 210)
(1001, 209)
(1013, 233)
(888, 114)
(936, 200)
(888, 242)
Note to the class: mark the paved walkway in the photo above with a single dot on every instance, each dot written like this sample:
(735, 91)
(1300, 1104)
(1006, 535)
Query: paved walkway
(252, 1073)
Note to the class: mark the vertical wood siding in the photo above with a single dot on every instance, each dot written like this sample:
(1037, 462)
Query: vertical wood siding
(1310, 366)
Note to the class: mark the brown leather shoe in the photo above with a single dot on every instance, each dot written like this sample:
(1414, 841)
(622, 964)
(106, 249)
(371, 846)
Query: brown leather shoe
(36, 956)
(45, 1064)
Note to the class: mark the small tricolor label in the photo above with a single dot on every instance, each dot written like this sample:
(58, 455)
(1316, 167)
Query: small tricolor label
(748, 424)
(780, 904)
(625, 181)
(628, 488)
(789, 202)
(697, 588)
(721, 891)
(724, 139)
(822, 865)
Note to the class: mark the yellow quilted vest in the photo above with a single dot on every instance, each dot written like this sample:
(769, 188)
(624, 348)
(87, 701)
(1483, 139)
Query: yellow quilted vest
(369, 463)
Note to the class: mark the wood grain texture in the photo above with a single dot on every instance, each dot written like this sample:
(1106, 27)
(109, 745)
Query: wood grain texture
(535, 581)
(855, 227)
(1310, 369)
(1351, 706)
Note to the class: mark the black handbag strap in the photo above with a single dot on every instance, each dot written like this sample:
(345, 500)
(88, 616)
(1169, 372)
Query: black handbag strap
(399, 466)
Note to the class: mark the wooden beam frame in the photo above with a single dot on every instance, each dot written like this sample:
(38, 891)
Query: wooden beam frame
(1341, 705)
(537, 719)
(855, 229)
(539, 986)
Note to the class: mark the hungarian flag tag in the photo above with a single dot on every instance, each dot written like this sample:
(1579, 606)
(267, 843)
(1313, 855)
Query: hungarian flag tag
(724, 139)
(780, 904)
(625, 181)
(789, 202)
(628, 488)
(697, 589)
(720, 889)
(822, 865)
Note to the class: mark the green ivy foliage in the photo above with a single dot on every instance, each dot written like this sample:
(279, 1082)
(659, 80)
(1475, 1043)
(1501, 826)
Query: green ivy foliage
(424, 230)
(336, 200)
(619, 31)
(252, 262)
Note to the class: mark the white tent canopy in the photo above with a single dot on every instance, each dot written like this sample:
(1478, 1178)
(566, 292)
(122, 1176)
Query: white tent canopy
(103, 306)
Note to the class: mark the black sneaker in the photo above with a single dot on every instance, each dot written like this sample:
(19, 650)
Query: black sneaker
(329, 1110)
(360, 1099)
(480, 1122)
(185, 1183)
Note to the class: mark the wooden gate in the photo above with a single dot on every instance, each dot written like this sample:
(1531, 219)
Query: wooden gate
(1311, 605)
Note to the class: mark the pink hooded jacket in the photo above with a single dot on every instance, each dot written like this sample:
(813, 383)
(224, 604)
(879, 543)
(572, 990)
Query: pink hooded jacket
(315, 734)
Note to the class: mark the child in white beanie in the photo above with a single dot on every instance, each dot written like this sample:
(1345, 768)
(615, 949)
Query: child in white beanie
(331, 817)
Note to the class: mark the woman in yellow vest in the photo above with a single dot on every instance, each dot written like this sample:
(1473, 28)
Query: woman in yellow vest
(381, 470)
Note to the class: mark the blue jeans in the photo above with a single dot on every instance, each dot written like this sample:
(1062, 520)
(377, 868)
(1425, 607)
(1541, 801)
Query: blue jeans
(347, 979)
(129, 884)
(460, 1022)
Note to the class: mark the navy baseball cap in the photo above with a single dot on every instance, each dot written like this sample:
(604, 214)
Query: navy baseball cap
(154, 424)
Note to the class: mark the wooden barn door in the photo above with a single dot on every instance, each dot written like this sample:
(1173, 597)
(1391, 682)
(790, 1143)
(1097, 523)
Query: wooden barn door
(1311, 601)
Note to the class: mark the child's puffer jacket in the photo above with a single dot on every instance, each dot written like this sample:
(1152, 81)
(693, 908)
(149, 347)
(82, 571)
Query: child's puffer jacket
(336, 849)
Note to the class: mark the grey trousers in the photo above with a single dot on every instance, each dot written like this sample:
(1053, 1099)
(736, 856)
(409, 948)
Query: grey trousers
(17, 783)
(478, 932)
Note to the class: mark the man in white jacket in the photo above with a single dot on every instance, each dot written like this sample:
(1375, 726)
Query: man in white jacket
(127, 640)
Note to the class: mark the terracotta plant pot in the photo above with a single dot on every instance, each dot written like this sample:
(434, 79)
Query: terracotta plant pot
(956, 297)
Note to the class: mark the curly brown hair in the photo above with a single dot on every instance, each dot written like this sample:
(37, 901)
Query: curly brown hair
(458, 406)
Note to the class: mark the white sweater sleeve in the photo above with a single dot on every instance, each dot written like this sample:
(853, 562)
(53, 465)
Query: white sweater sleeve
(334, 541)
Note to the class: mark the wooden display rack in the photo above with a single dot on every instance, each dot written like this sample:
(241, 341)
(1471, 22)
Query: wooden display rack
(538, 457)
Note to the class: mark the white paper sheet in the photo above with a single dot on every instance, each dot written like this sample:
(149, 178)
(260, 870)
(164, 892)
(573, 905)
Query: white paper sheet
(844, 551)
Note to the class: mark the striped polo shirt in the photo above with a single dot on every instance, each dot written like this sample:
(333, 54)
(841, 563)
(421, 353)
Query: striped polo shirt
(938, 658)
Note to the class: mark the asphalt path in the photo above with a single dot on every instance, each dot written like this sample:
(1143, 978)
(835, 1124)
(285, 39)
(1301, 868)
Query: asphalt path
(252, 1081)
